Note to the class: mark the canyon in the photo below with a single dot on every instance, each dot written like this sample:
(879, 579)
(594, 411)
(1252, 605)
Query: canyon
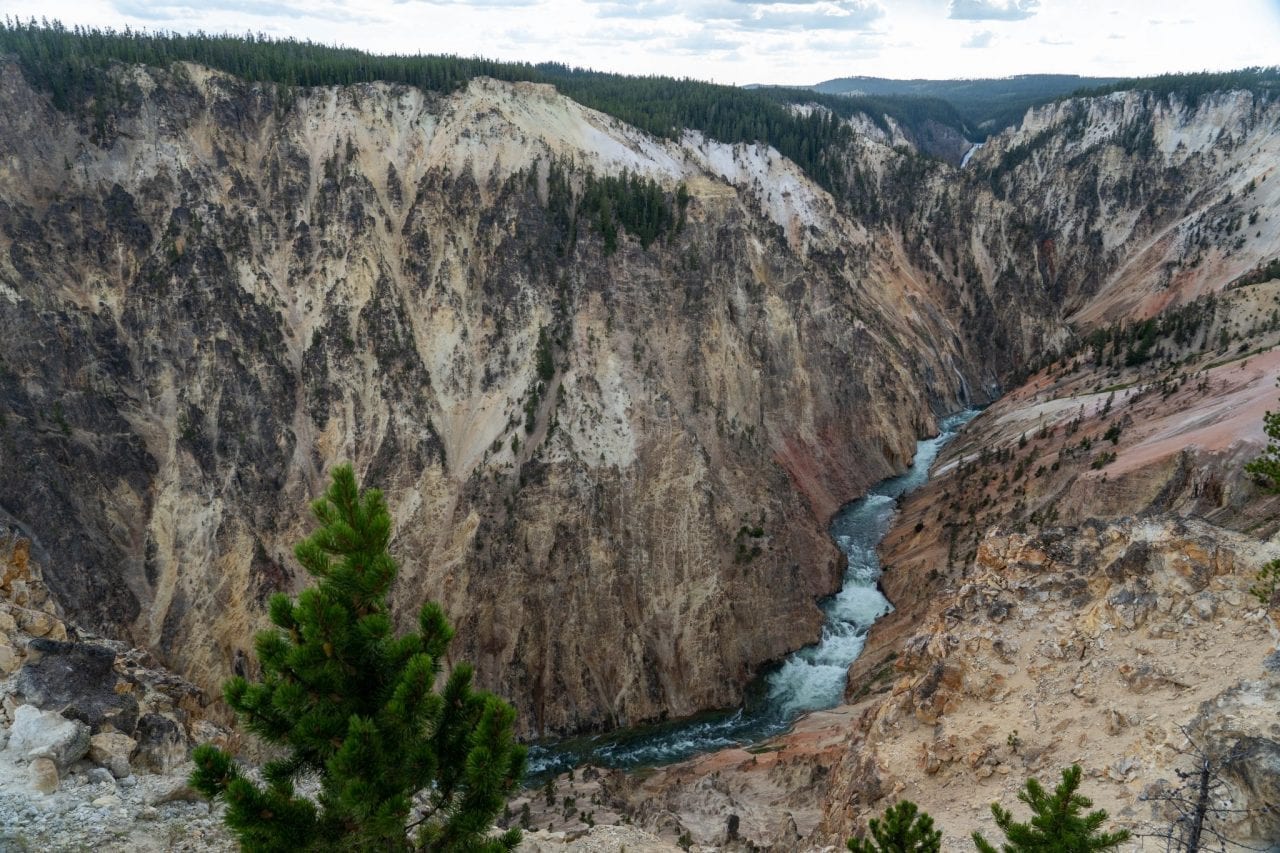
(615, 466)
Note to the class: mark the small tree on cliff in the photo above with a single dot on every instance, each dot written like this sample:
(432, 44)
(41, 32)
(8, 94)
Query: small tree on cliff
(1056, 825)
(903, 829)
(357, 708)
(1266, 469)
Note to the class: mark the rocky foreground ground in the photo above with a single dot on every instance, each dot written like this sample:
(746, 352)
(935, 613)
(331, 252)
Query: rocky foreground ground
(94, 738)
(95, 742)
(1114, 645)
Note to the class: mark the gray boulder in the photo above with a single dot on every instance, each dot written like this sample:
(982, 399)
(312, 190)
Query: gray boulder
(1253, 767)
(44, 734)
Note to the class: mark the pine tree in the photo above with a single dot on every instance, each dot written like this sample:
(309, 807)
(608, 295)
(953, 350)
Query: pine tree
(1057, 825)
(903, 829)
(356, 707)
(1267, 466)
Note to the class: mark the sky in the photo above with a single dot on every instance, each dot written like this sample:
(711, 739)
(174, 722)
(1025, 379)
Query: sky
(743, 41)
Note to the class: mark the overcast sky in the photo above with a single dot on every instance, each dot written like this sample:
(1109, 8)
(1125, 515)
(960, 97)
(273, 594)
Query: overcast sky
(742, 41)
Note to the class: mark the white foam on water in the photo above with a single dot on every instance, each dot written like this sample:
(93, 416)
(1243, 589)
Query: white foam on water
(812, 678)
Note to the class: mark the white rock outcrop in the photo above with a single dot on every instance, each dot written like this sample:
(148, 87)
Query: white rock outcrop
(44, 734)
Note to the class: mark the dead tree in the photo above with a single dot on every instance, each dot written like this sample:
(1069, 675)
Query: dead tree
(1199, 810)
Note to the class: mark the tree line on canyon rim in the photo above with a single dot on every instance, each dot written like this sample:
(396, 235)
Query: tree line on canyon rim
(73, 65)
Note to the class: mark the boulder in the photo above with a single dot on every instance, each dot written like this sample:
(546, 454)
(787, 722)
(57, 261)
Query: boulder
(37, 623)
(8, 658)
(1253, 768)
(43, 774)
(99, 776)
(162, 745)
(112, 751)
(78, 680)
(178, 792)
(44, 734)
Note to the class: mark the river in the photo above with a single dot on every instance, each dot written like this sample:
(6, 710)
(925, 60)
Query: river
(810, 679)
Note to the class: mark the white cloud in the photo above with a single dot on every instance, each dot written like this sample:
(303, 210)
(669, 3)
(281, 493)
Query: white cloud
(750, 14)
(982, 39)
(179, 12)
(842, 15)
(993, 10)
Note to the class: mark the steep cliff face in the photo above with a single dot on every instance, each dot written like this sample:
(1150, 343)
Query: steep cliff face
(1139, 202)
(1091, 211)
(213, 295)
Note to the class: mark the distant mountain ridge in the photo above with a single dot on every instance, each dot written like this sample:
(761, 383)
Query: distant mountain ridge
(988, 105)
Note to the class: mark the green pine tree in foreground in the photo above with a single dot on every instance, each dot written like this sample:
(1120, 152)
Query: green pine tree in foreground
(356, 707)
(1057, 825)
(903, 829)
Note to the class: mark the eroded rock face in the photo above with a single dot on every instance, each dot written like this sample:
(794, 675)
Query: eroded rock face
(218, 295)
(1087, 644)
(228, 295)
(1254, 768)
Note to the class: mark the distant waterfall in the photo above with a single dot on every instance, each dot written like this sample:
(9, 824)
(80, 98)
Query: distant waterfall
(964, 161)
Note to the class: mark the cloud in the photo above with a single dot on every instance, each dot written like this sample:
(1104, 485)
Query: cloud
(780, 16)
(1053, 42)
(982, 39)
(703, 43)
(644, 10)
(855, 15)
(185, 11)
(993, 10)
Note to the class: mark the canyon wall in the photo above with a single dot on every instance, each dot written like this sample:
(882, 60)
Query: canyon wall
(213, 295)
(614, 468)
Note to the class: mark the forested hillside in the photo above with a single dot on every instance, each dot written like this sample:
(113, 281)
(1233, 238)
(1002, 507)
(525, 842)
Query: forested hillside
(70, 63)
